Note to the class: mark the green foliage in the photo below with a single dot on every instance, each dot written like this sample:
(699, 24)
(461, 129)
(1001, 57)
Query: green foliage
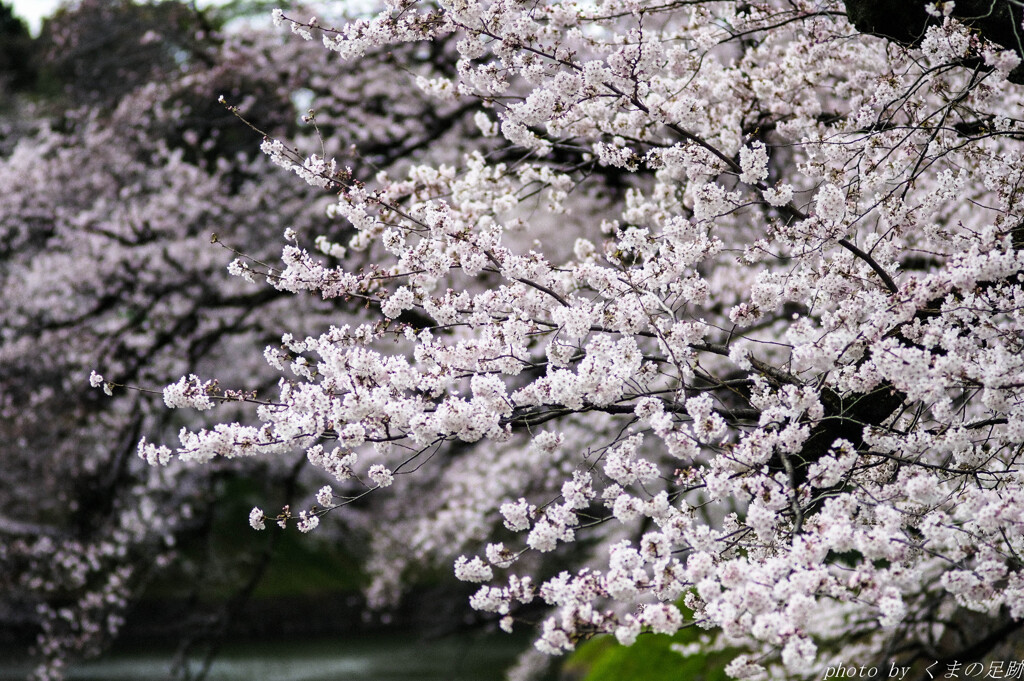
(649, 659)
(300, 565)
(303, 567)
(223, 553)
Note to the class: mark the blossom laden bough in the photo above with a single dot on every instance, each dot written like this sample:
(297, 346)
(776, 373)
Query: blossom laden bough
(725, 313)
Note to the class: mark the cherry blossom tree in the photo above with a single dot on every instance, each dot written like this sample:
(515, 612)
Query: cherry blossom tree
(121, 207)
(717, 323)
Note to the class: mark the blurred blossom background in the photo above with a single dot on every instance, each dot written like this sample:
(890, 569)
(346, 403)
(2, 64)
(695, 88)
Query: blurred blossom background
(118, 164)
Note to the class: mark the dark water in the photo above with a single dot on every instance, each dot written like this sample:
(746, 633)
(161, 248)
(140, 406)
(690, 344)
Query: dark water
(377, 658)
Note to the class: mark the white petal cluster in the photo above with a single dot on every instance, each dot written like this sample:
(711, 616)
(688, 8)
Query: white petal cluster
(474, 570)
(256, 519)
(189, 392)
